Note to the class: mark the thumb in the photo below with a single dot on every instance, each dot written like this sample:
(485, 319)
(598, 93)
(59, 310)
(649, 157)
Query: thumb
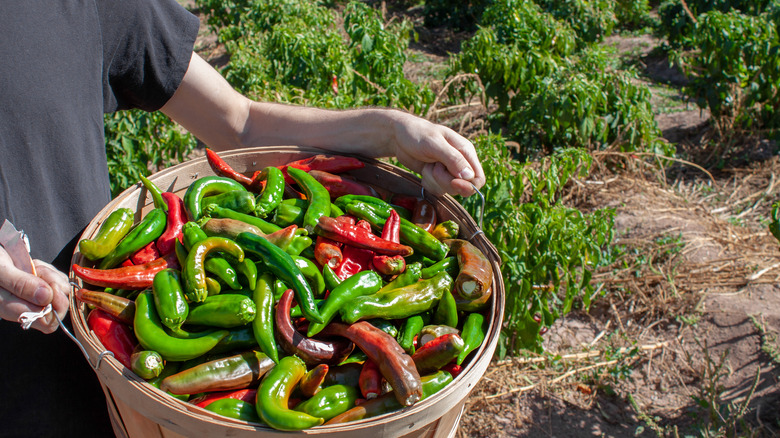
(24, 286)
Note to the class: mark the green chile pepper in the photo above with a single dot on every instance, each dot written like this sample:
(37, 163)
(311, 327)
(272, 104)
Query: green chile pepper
(110, 233)
(151, 334)
(274, 393)
(149, 229)
(312, 274)
(248, 269)
(330, 401)
(284, 268)
(215, 264)
(317, 195)
(420, 240)
(288, 214)
(168, 369)
(446, 311)
(411, 329)
(169, 299)
(409, 276)
(237, 371)
(331, 279)
(362, 283)
(447, 264)
(224, 311)
(156, 193)
(335, 210)
(218, 212)
(203, 187)
(234, 408)
(273, 192)
(295, 312)
(263, 324)
(238, 339)
(473, 334)
(446, 230)
(241, 201)
(194, 273)
(398, 303)
(147, 364)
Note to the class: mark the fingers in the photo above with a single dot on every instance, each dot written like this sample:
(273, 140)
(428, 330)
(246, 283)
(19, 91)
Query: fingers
(438, 180)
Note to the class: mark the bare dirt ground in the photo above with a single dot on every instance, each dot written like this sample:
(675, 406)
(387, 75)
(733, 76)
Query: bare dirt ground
(683, 337)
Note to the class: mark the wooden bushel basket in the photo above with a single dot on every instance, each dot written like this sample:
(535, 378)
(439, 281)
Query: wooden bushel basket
(139, 410)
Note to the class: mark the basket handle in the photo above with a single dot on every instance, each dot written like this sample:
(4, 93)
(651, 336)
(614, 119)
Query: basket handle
(81, 346)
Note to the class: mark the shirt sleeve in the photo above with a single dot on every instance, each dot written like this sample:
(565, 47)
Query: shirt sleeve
(147, 46)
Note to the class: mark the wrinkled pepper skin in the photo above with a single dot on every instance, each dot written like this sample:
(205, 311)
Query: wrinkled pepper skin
(330, 402)
(194, 272)
(110, 233)
(263, 324)
(236, 409)
(284, 268)
(476, 275)
(203, 187)
(174, 223)
(358, 237)
(149, 229)
(223, 169)
(120, 308)
(273, 397)
(396, 366)
(438, 352)
(169, 300)
(147, 364)
(223, 311)
(116, 336)
(152, 335)
(273, 192)
(317, 196)
(398, 303)
(127, 277)
(234, 372)
(312, 351)
(362, 283)
(473, 335)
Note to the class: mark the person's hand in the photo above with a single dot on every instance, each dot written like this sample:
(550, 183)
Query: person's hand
(446, 160)
(22, 292)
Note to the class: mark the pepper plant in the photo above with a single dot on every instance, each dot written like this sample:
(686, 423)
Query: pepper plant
(548, 250)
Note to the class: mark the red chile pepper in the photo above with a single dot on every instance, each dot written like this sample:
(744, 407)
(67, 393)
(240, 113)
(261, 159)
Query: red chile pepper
(127, 277)
(221, 168)
(395, 365)
(327, 252)
(115, 335)
(145, 254)
(338, 185)
(311, 350)
(424, 215)
(247, 395)
(390, 265)
(354, 260)
(438, 352)
(370, 380)
(327, 163)
(311, 382)
(452, 368)
(177, 216)
(120, 308)
(359, 237)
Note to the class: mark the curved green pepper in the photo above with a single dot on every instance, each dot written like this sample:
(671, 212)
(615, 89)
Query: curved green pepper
(272, 193)
(194, 273)
(288, 214)
(398, 303)
(330, 401)
(151, 334)
(317, 195)
(238, 339)
(447, 264)
(218, 212)
(362, 283)
(224, 311)
(283, 266)
(411, 329)
(274, 393)
(206, 186)
(312, 274)
(234, 408)
(473, 334)
(156, 193)
(233, 372)
(248, 269)
(446, 311)
(214, 264)
(331, 279)
(236, 200)
(169, 299)
(150, 228)
(110, 233)
(263, 325)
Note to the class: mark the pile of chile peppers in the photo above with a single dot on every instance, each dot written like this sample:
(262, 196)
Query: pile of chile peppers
(293, 297)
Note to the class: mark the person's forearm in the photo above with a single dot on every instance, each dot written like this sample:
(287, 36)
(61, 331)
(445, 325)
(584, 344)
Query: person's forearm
(365, 131)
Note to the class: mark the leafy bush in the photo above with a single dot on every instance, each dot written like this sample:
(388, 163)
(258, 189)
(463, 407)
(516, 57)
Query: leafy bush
(735, 71)
(632, 14)
(139, 143)
(592, 20)
(677, 25)
(548, 250)
(457, 14)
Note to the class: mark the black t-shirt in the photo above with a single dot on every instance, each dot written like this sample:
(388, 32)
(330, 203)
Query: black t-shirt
(65, 63)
